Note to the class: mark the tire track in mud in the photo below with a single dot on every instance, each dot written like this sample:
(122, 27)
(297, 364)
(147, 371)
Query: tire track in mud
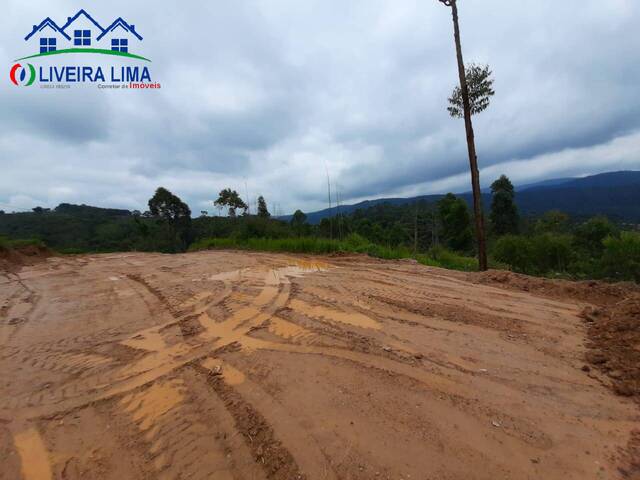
(267, 451)
(16, 310)
(158, 381)
(160, 359)
(273, 297)
(277, 461)
(157, 293)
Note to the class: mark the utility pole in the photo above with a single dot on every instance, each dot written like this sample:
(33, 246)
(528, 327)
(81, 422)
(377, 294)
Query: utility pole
(473, 159)
(329, 193)
(415, 232)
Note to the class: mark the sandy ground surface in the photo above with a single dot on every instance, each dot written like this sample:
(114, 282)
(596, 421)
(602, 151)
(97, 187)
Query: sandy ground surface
(222, 365)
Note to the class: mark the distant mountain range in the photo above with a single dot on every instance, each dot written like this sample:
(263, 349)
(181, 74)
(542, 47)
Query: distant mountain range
(614, 194)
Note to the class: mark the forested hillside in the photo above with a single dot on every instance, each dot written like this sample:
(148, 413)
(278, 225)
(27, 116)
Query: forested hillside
(614, 194)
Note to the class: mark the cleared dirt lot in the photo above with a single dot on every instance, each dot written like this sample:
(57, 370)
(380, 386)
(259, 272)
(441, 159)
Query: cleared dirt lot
(223, 365)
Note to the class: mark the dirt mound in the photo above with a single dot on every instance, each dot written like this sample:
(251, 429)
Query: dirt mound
(614, 342)
(12, 259)
(590, 291)
(612, 320)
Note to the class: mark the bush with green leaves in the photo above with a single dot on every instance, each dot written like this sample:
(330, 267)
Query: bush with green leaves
(591, 234)
(456, 223)
(504, 212)
(7, 243)
(444, 258)
(540, 254)
(551, 253)
(516, 251)
(553, 221)
(621, 257)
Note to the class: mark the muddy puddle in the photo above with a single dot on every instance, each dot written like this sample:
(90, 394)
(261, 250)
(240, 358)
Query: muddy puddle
(148, 406)
(323, 313)
(33, 454)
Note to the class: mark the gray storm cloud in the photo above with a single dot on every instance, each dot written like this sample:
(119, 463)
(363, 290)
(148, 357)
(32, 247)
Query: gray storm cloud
(272, 93)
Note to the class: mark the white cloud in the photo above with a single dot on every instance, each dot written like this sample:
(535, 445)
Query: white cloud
(273, 93)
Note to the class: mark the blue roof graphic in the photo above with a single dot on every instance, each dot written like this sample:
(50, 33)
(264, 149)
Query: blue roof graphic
(70, 20)
(47, 22)
(119, 22)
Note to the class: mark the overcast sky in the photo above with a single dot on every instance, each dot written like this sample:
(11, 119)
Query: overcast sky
(273, 93)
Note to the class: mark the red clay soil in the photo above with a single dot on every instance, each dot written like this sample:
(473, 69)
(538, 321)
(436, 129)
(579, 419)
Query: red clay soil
(12, 259)
(239, 365)
(588, 291)
(614, 342)
(612, 319)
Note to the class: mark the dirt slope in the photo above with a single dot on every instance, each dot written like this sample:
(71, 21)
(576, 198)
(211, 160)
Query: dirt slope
(222, 365)
(12, 259)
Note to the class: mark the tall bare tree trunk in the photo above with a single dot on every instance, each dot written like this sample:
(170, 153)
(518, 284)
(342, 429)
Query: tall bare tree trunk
(473, 159)
(415, 232)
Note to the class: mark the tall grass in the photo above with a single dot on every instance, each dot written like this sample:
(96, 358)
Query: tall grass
(443, 258)
(6, 243)
(294, 245)
(437, 257)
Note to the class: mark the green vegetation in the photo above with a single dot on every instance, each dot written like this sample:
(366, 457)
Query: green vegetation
(621, 256)
(6, 243)
(263, 212)
(504, 213)
(354, 243)
(437, 234)
(172, 222)
(480, 88)
(594, 249)
(456, 223)
(230, 199)
(443, 258)
(312, 245)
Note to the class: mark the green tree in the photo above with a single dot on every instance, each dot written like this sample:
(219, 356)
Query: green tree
(456, 223)
(551, 253)
(480, 85)
(263, 212)
(553, 221)
(299, 222)
(168, 206)
(540, 254)
(230, 199)
(590, 235)
(504, 213)
(173, 222)
(465, 108)
(621, 257)
(516, 251)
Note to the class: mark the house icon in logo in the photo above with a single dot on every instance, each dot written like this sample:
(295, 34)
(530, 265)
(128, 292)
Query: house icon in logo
(82, 34)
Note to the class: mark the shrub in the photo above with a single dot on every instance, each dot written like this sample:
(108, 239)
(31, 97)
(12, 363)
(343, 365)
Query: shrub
(443, 258)
(590, 235)
(551, 253)
(355, 242)
(621, 257)
(6, 243)
(456, 223)
(537, 255)
(516, 251)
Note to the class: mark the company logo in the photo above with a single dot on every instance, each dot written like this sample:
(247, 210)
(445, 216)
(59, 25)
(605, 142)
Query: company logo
(81, 36)
(19, 75)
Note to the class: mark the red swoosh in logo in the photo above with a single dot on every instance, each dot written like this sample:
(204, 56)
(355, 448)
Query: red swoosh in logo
(12, 75)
